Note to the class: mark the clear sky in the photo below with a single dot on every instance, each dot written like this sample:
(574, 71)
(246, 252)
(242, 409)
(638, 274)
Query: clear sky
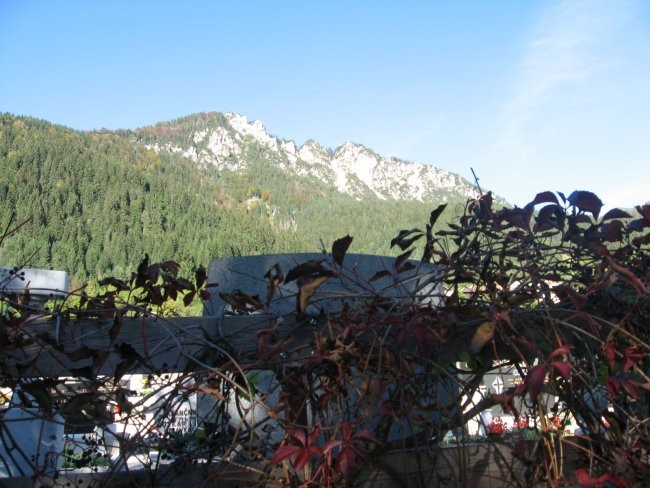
(534, 95)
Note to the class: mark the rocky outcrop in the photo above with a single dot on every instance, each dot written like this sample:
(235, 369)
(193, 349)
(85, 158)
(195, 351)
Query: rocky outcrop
(351, 168)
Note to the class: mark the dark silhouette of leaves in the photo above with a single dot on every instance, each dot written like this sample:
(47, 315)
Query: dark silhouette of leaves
(644, 210)
(616, 213)
(126, 351)
(380, 274)
(544, 197)
(586, 201)
(433, 218)
(188, 298)
(405, 238)
(200, 277)
(401, 264)
(84, 372)
(83, 352)
(339, 248)
(313, 267)
(171, 267)
(548, 217)
(518, 217)
(121, 285)
(612, 231)
(122, 368)
(114, 331)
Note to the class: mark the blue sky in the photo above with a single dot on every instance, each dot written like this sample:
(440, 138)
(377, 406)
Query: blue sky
(534, 95)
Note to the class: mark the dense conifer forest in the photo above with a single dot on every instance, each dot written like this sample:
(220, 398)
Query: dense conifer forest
(93, 203)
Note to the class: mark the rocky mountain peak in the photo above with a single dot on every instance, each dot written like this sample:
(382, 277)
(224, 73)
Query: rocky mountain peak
(351, 168)
(313, 153)
(255, 129)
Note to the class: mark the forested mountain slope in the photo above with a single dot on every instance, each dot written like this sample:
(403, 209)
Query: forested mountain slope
(95, 202)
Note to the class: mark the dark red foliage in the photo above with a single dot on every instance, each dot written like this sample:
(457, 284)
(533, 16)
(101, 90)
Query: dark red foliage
(350, 447)
(607, 480)
(303, 448)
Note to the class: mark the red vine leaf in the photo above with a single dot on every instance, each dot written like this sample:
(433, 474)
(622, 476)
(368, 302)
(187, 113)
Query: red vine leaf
(350, 446)
(632, 356)
(562, 367)
(300, 452)
(564, 349)
(534, 381)
(604, 481)
(610, 353)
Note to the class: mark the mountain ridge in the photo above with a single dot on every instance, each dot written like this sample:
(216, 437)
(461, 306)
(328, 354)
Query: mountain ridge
(351, 168)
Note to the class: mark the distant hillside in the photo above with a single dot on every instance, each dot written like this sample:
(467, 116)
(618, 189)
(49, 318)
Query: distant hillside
(203, 186)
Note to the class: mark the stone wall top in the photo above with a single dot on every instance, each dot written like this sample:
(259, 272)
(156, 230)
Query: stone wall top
(361, 276)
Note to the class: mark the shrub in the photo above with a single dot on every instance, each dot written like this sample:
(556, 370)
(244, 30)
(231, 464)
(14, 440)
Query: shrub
(554, 290)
